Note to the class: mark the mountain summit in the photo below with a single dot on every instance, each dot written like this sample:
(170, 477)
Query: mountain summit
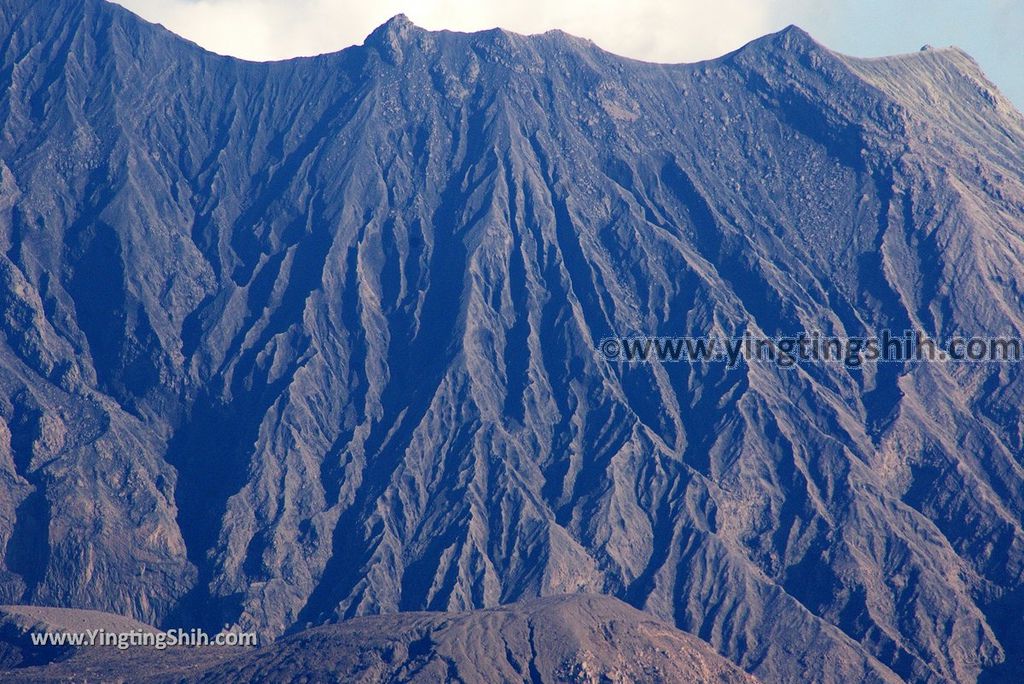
(288, 343)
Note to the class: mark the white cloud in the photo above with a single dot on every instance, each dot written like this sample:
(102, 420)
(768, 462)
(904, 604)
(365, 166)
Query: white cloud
(656, 30)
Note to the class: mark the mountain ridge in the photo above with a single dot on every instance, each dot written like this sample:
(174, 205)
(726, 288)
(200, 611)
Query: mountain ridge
(316, 338)
(551, 639)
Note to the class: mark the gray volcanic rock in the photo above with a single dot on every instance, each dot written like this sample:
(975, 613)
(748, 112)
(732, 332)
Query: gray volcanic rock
(577, 638)
(18, 623)
(23, 661)
(294, 342)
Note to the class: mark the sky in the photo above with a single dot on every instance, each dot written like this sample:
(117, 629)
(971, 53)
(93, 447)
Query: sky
(992, 31)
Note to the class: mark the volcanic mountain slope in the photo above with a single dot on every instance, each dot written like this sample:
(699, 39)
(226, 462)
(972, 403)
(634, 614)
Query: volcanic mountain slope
(291, 342)
(18, 623)
(577, 638)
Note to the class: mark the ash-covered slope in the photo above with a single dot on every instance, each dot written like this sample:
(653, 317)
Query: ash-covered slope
(573, 638)
(292, 342)
(19, 623)
(560, 639)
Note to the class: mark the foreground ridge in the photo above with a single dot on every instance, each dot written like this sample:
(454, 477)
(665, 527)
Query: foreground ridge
(566, 638)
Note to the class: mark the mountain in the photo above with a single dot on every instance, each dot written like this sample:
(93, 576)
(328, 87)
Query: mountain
(18, 623)
(290, 343)
(577, 638)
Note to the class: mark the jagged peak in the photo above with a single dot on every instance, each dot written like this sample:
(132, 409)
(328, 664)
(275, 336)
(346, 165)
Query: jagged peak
(392, 36)
(397, 28)
(792, 39)
(794, 32)
(399, 25)
(791, 46)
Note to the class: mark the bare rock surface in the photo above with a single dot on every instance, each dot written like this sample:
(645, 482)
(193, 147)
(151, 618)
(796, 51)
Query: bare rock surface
(577, 638)
(18, 623)
(291, 343)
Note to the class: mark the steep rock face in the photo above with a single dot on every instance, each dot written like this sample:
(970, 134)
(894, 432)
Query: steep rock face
(292, 342)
